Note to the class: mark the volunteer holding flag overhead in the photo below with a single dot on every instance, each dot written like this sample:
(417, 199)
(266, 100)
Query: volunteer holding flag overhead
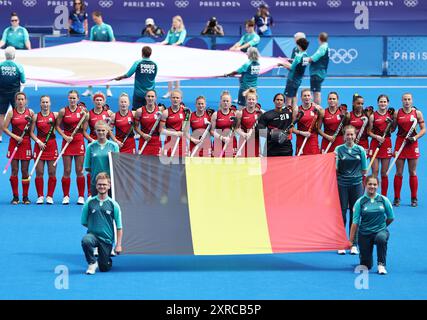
(145, 71)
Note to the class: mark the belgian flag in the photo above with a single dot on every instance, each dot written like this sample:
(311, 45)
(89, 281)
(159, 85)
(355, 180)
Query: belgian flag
(211, 206)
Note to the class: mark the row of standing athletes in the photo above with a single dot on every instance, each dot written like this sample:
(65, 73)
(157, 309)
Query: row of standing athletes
(141, 120)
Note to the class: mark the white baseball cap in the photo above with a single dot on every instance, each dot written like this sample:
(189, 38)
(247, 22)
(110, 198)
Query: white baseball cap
(149, 21)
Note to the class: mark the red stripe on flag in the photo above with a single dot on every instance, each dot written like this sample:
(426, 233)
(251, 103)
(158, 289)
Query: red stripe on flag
(302, 204)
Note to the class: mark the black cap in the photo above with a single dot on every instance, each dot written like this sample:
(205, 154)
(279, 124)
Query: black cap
(213, 19)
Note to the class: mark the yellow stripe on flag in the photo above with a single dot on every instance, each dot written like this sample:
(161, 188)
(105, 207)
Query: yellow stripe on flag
(226, 204)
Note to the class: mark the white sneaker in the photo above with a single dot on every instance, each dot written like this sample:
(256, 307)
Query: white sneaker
(167, 95)
(95, 252)
(381, 269)
(91, 269)
(40, 200)
(113, 253)
(341, 252)
(49, 200)
(354, 250)
(81, 201)
(87, 93)
(66, 200)
(109, 93)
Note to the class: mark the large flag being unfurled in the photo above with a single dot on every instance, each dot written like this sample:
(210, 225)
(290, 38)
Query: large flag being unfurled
(210, 206)
(93, 62)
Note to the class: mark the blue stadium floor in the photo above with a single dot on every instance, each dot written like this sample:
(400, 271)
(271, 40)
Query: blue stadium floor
(37, 239)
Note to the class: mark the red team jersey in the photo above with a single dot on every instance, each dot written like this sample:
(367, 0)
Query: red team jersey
(378, 128)
(18, 123)
(404, 123)
(43, 125)
(147, 121)
(224, 122)
(69, 123)
(174, 121)
(124, 125)
(251, 148)
(198, 126)
(304, 124)
(331, 122)
(357, 122)
(94, 118)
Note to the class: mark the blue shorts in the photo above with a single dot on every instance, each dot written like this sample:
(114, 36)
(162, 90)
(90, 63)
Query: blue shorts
(5, 100)
(292, 88)
(241, 100)
(138, 102)
(316, 83)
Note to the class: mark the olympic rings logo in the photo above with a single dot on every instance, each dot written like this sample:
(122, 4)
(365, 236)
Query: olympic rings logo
(410, 3)
(343, 55)
(29, 3)
(257, 3)
(106, 4)
(334, 3)
(182, 4)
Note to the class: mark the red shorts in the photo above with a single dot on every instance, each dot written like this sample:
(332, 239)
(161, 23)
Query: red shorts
(251, 148)
(24, 149)
(311, 147)
(205, 150)
(129, 146)
(385, 152)
(231, 150)
(50, 153)
(338, 141)
(181, 150)
(153, 147)
(76, 147)
(364, 144)
(410, 151)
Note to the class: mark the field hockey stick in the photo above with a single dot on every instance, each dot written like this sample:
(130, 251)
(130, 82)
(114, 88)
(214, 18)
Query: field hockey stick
(309, 130)
(387, 130)
(128, 133)
(230, 134)
(83, 117)
(51, 129)
(184, 124)
(249, 136)
(411, 130)
(336, 133)
(202, 139)
(362, 129)
(159, 117)
(27, 126)
(298, 118)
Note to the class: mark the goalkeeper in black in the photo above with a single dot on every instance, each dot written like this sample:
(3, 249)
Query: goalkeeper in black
(275, 126)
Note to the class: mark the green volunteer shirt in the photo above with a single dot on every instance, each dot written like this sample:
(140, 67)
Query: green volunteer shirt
(15, 37)
(145, 71)
(350, 162)
(251, 38)
(96, 157)
(102, 32)
(320, 63)
(176, 36)
(98, 216)
(295, 51)
(249, 71)
(371, 214)
(11, 76)
(296, 72)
